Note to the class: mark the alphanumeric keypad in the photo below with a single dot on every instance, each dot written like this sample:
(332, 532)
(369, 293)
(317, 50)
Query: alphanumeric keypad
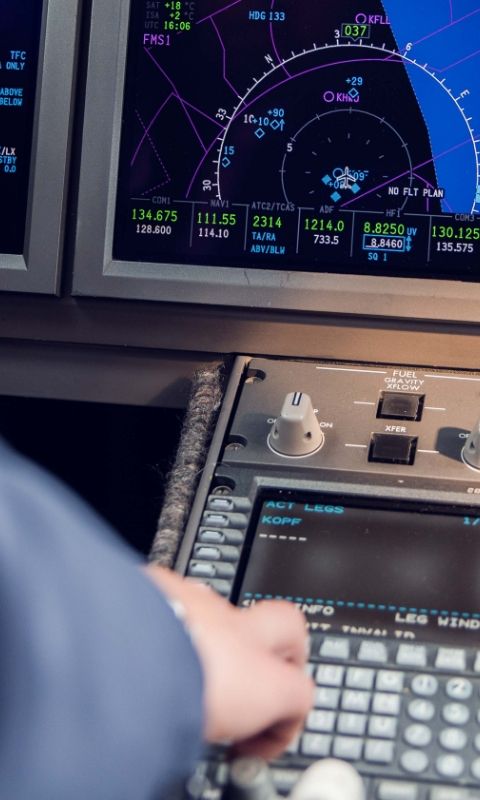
(395, 709)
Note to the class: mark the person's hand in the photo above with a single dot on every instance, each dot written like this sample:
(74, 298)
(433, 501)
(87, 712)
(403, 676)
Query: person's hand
(257, 693)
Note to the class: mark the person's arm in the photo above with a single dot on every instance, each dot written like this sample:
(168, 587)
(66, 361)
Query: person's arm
(102, 694)
(100, 687)
(256, 691)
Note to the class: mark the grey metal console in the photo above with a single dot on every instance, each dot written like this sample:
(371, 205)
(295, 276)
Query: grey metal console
(374, 535)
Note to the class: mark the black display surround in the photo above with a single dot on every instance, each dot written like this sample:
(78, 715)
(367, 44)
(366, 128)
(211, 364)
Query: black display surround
(162, 219)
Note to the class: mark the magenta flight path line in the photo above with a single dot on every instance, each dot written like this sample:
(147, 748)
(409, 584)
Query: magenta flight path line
(274, 45)
(154, 148)
(446, 27)
(178, 96)
(199, 166)
(431, 186)
(224, 58)
(147, 129)
(152, 121)
(203, 114)
(220, 11)
(407, 172)
(456, 63)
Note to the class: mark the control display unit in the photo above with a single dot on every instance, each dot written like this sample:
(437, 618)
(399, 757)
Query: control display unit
(19, 46)
(356, 567)
(303, 136)
(380, 551)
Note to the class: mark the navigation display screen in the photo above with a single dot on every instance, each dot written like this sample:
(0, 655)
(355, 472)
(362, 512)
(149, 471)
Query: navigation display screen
(299, 135)
(407, 574)
(20, 29)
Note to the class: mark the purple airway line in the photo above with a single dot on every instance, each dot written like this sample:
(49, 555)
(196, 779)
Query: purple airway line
(224, 57)
(272, 38)
(430, 186)
(147, 130)
(177, 95)
(445, 27)
(199, 165)
(461, 61)
(402, 175)
(220, 11)
(202, 113)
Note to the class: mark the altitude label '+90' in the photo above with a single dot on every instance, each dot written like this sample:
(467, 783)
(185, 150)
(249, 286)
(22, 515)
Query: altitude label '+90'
(313, 136)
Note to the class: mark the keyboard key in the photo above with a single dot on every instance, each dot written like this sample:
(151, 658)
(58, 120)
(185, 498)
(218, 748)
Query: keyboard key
(199, 570)
(375, 652)
(379, 751)
(397, 790)
(459, 689)
(425, 685)
(382, 727)
(389, 681)
(450, 793)
(222, 774)
(335, 647)
(360, 678)
(321, 721)
(347, 748)
(456, 714)
(352, 724)
(421, 710)
(412, 655)
(211, 537)
(451, 659)
(353, 700)
(476, 743)
(414, 761)
(284, 779)
(386, 704)
(476, 666)
(453, 738)
(198, 782)
(418, 735)
(450, 766)
(326, 697)
(330, 675)
(316, 745)
(220, 503)
(476, 769)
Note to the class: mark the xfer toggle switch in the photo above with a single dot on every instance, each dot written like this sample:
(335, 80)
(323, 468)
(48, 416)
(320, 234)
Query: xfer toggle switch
(388, 448)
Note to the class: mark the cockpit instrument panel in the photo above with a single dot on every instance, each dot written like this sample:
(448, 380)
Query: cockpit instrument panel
(319, 137)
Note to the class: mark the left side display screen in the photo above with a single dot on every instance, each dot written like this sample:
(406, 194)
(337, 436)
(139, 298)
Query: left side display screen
(20, 31)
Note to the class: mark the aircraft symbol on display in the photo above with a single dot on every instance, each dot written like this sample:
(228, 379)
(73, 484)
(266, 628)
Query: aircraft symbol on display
(344, 179)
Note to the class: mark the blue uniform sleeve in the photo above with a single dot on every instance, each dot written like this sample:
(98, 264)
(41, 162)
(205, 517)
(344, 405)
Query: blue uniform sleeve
(100, 687)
